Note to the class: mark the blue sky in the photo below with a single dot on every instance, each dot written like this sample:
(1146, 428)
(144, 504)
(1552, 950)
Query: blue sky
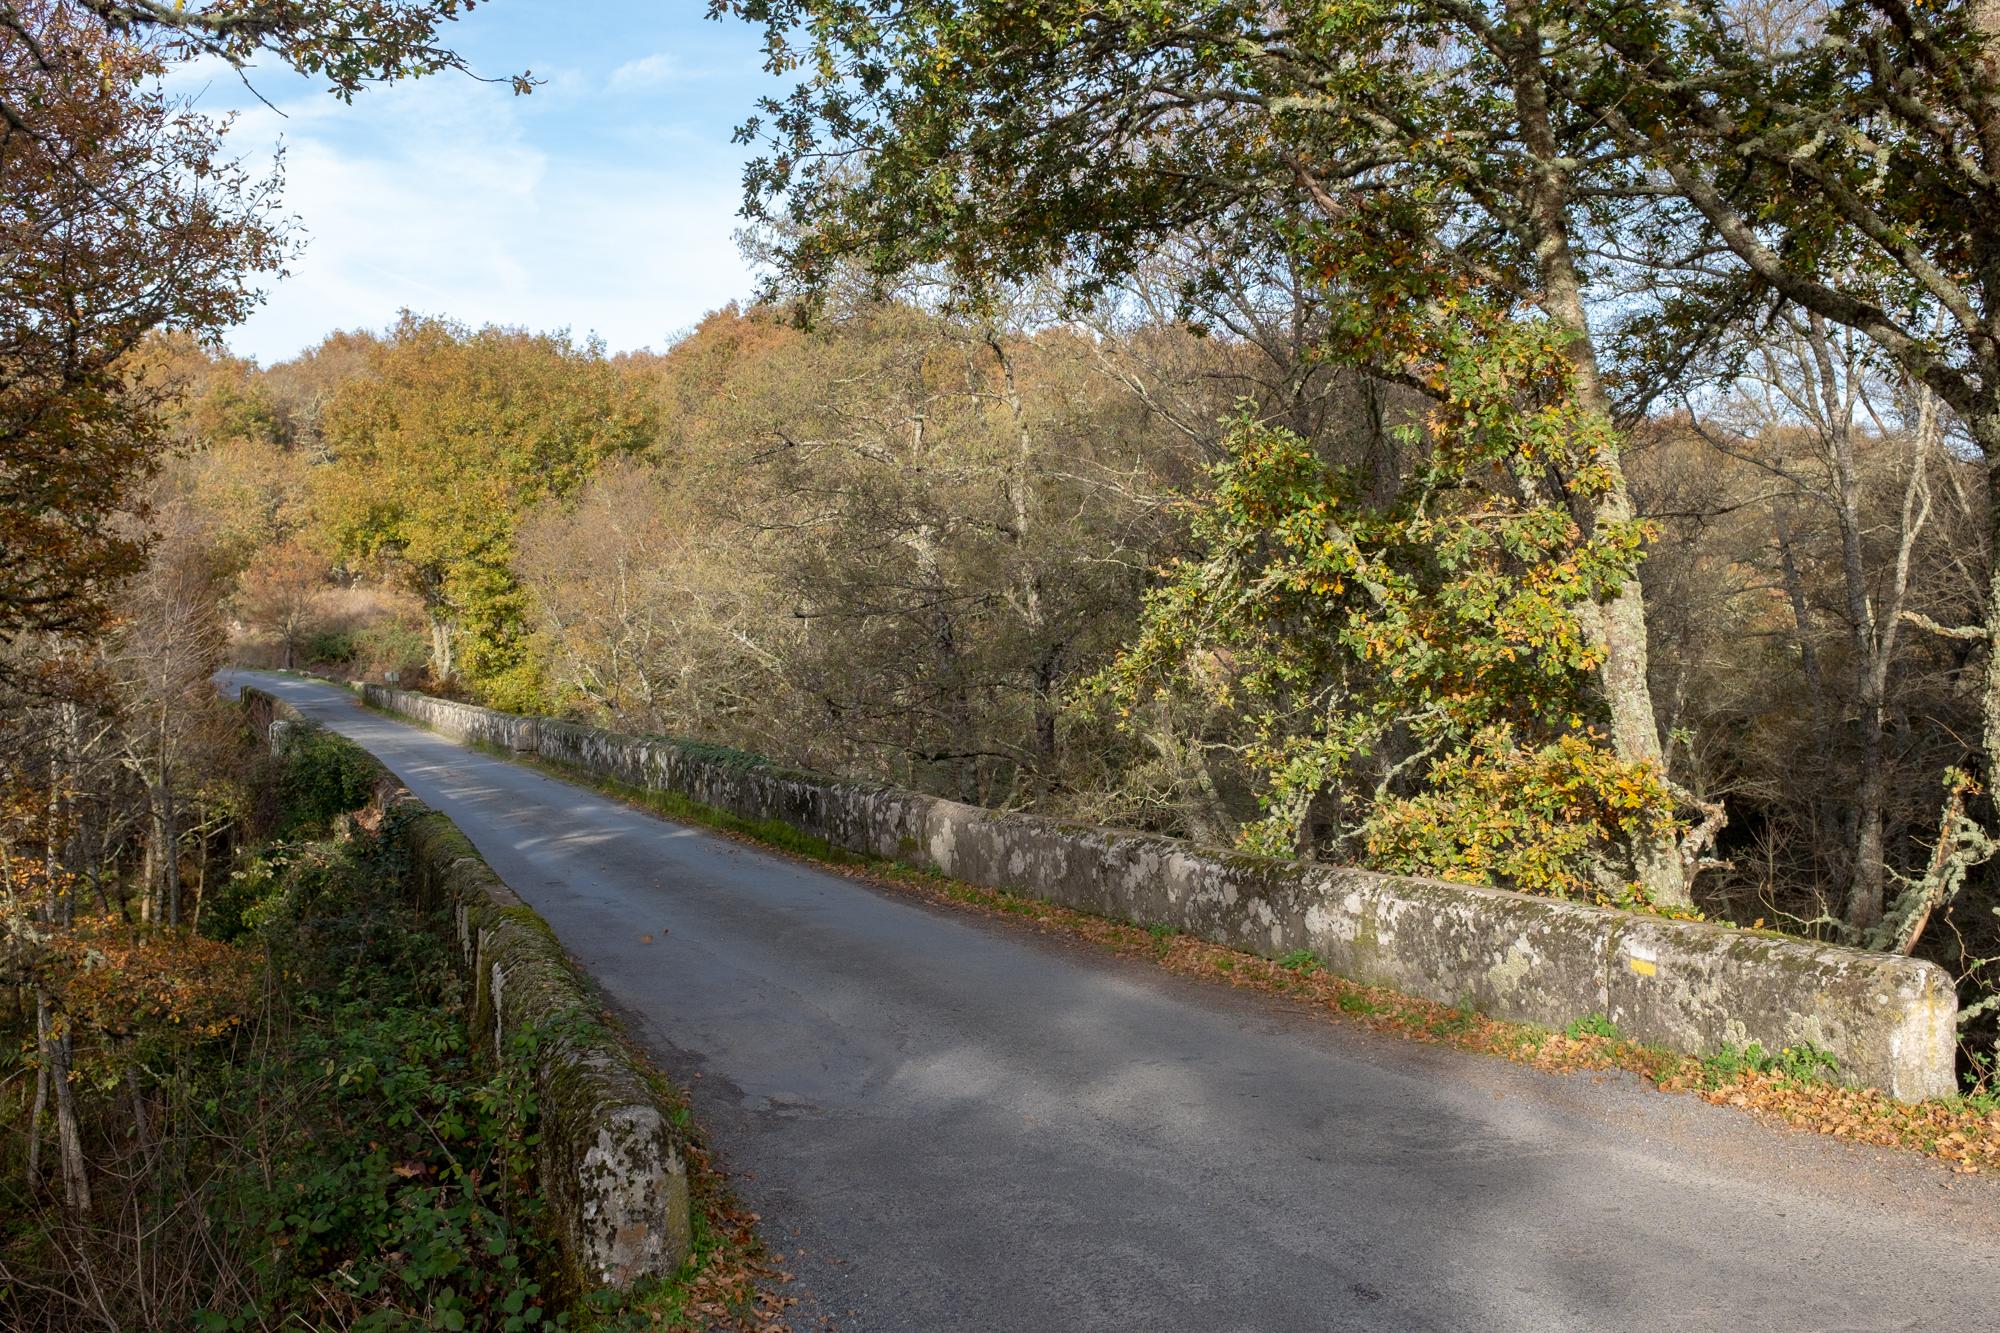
(605, 202)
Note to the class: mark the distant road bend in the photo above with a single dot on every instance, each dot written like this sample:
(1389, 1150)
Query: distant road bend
(953, 1123)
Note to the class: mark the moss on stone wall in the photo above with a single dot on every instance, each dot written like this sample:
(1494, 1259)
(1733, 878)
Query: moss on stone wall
(1519, 958)
(610, 1162)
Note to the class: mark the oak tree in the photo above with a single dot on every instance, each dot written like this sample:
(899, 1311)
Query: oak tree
(119, 214)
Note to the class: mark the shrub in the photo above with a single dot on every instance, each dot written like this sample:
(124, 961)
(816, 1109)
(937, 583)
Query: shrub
(330, 645)
(391, 645)
(321, 1149)
(1552, 820)
(320, 778)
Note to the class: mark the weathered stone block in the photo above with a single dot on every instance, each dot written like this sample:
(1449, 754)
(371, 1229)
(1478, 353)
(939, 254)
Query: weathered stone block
(1890, 1021)
(610, 1163)
(461, 721)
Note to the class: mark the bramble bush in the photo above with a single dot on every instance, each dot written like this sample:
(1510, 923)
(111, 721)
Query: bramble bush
(399, 1189)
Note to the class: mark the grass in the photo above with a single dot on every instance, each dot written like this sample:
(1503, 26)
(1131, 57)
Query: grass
(1793, 1087)
(1592, 1025)
(1302, 961)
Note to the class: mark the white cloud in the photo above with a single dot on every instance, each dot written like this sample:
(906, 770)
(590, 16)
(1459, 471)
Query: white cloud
(645, 72)
(448, 198)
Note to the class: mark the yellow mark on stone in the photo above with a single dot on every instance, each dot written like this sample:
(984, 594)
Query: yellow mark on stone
(1644, 967)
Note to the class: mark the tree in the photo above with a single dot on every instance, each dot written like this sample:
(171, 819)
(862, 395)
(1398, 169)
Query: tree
(650, 609)
(300, 389)
(119, 214)
(1415, 156)
(439, 448)
(1850, 166)
(163, 659)
(890, 544)
(280, 591)
(1817, 381)
(350, 45)
(1414, 674)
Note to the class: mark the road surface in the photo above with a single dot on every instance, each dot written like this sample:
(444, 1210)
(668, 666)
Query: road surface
(949, 1122)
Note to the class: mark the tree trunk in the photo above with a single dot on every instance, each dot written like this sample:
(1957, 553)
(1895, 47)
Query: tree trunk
(1795, 593)
(205, 837)
(1864, 895)
(149, 881)
(1027, 577)
(59, 856)
(1620, 622)
(1986, 432)
(165, 840)
(69, 1133)
(1864, 899)
(54, 1051)
(170, 859)
(1825, 811)
(1047, 673)
(441, 647)
(1020, 488)
(1984, 422)
(141, 1124)
(41, 1105)
(1831, 404)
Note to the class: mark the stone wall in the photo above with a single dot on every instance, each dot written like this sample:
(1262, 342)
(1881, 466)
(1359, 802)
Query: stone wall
(1889, 1021)
(270, 717)
(610, 1162)
(461, 721)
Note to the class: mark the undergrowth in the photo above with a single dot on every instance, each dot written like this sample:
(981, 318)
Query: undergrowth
(332, 1158)
(325, 1148)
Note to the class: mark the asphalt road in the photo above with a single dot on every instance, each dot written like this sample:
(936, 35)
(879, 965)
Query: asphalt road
(949, 1122)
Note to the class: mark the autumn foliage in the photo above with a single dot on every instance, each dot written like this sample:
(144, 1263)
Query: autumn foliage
(120, 213)
(134, 983)
(1414, 669)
